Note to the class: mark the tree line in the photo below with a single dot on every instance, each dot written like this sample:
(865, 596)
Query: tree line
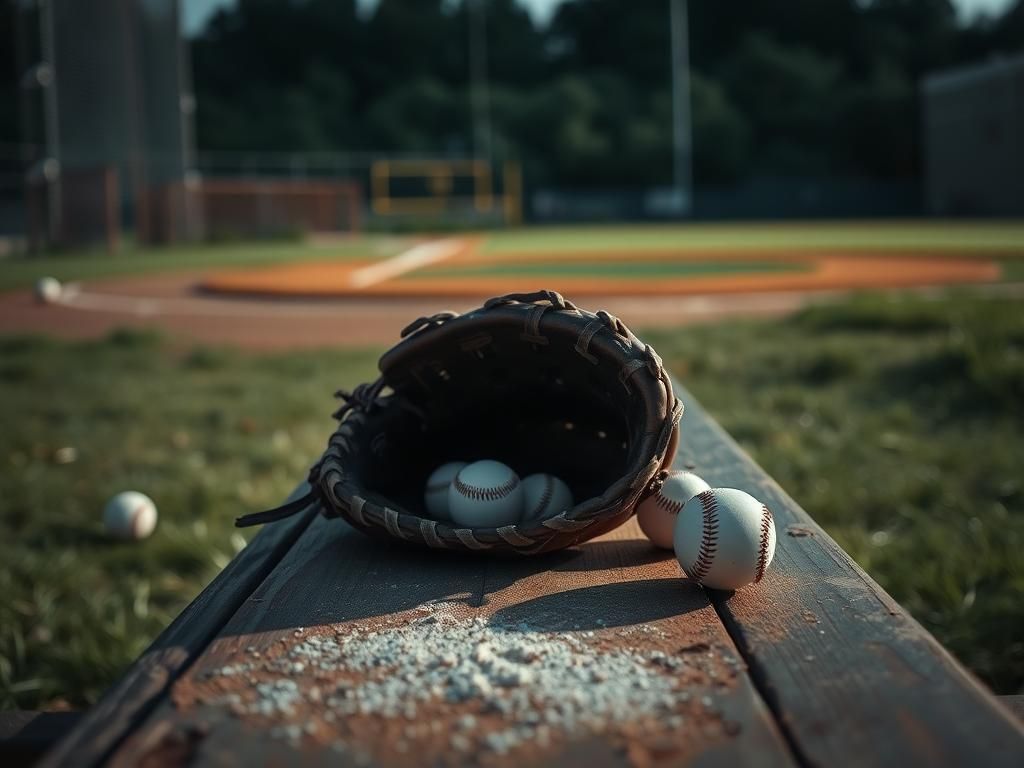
(778, 87)
(786, 87)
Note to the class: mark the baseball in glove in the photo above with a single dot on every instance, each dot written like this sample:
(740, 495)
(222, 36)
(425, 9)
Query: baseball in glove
(527, 379)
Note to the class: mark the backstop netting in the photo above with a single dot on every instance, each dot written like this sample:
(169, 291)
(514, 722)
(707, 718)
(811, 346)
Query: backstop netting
(117, 101)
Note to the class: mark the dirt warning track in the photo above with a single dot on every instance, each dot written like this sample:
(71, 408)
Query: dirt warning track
(330, 304)
(170, 303)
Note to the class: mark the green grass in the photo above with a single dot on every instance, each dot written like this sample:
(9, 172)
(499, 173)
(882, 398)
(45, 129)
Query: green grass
(207, 433)
(1002, 239)
(981, 238)
(896, 423)
(21, 271)
(637, 270)
(1013, 270)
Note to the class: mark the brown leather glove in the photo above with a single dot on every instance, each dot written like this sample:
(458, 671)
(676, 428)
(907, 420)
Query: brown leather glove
(528, 380)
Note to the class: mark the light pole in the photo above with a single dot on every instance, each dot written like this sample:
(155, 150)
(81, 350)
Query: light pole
(682, 132)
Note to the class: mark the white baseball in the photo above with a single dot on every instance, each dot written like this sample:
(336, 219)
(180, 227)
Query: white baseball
(544, 496)
(435, 495)
(130, 515)
(657, 513)
(47, 290)
(725, 538)
(485, 494)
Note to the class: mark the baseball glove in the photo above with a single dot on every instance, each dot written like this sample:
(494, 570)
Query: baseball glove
(528, 380)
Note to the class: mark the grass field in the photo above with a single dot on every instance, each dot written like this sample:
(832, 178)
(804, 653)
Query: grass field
(206, 432)
(1003, 241)
(894, 422)
(982, 237)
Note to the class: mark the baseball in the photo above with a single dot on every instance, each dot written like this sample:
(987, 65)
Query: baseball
(725, 538)
(47, 290)
(435, 496)
(485, 494)
(658, 512)
(544, 496)
(129, 515)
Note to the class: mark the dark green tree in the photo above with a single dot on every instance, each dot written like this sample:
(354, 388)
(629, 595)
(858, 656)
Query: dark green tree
(783, 87)
(789, 96)
(9, 95)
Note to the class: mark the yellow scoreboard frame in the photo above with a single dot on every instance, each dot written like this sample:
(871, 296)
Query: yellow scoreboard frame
(440, 176)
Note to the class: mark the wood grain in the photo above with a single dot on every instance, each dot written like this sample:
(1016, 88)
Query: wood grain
(335, 575)
(130, 699)
(851, 677)
(1014, 704)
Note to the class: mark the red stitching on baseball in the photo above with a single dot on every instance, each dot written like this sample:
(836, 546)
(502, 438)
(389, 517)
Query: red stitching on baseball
(670, 506)
(709, 539)
(545, 498)
(766, 531)
(485, 494)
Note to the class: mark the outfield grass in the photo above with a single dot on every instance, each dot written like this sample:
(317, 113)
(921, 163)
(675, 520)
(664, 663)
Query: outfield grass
(896, 423)
(21, 271)
(968, 238)
(1004, 240)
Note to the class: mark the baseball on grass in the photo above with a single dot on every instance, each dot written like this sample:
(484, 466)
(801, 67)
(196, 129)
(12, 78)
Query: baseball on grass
(725, 538)
(544, 496)
(485, 494)
(47, 290)
(435, 495)
(129, 515)
(658, 512)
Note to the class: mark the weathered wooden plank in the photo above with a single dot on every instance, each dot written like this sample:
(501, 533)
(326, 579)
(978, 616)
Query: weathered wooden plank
(851, 677)
(1015, 705)
(614, 593)
(145, 683)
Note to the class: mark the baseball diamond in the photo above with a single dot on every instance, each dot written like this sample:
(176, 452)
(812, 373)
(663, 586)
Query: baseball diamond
(519, 383)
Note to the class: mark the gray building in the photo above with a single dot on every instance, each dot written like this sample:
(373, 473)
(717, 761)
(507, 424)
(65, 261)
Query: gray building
(974, 139)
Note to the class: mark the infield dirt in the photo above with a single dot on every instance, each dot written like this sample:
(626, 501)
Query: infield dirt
(808, 271)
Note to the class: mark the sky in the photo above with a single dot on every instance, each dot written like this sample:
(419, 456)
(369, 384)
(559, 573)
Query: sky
(198, 11)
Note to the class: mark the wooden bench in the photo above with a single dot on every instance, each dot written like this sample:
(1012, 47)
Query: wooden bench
(817, 665)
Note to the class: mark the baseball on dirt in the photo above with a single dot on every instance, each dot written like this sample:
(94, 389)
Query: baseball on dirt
(658, 512)
(544, 496)
(129, 515)
(485, 494)
(47, 290)
(435, 495)
(725, 538)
